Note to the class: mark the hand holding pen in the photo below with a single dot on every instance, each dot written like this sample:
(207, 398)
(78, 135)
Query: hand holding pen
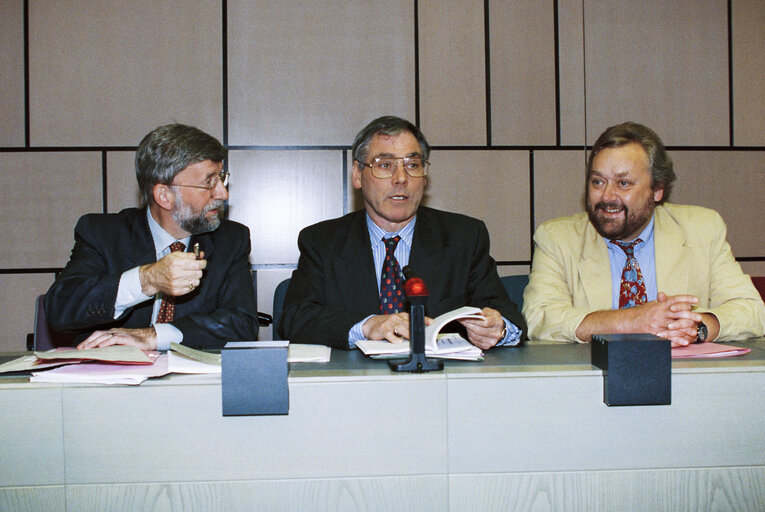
(177, 273)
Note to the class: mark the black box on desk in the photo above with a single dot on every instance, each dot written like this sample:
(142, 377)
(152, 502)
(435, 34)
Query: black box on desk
(637, 368)
(254, 378)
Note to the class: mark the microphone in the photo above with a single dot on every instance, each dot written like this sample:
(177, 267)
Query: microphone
(417, 295)
(413, 286)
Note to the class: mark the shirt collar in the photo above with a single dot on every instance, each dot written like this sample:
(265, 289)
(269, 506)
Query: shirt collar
(162, 239)
(376, 233)
(646, 236)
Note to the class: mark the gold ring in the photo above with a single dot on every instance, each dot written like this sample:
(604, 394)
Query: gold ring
(191, 285)
(395, 330)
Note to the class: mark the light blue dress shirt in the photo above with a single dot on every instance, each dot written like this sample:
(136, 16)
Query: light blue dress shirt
(129, 291)
(402, 252)
(646, 258)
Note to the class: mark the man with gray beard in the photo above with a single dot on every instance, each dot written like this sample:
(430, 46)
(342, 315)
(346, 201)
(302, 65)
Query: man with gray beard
(634, 263)
(173, 271)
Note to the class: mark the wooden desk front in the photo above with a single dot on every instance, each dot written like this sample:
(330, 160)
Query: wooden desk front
(524, 430)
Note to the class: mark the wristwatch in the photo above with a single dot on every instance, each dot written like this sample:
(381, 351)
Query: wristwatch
(702, 333)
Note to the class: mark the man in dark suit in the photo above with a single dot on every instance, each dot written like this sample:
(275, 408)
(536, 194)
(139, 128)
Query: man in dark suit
(350, 266)
(174, 271)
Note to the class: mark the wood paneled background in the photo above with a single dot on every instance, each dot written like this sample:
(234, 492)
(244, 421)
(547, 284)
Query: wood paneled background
(509, 93)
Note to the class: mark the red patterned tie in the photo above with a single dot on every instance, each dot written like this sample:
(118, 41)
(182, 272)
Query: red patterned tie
(391, 283)
(632, 291)
(167, 307)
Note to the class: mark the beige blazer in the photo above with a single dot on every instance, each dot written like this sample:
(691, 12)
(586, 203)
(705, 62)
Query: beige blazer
(571, 277)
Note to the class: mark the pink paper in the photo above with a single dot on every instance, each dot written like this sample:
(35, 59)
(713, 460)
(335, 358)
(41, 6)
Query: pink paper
(700, 350)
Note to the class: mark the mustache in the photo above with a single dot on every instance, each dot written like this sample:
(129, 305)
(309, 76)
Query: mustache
(604, 205)
(215, 205)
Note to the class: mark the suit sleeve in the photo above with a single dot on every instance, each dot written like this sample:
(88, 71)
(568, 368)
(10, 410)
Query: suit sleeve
(310, 315)
(487, 289)
(84, 294)
(547, 303)
(733, 299)
(232, 314)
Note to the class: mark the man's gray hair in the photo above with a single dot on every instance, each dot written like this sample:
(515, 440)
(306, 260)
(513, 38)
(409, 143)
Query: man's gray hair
(387, 125)
(168, 150)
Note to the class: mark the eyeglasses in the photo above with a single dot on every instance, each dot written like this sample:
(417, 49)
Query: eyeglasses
(222, 178)
(385, 167)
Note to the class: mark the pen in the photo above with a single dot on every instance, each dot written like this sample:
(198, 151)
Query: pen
(196, 249)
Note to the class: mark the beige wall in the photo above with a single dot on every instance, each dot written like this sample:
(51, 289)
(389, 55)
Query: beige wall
(507, 111)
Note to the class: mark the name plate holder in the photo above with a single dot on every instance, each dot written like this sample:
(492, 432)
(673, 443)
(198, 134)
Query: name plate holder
(637, 368)
(254, 378)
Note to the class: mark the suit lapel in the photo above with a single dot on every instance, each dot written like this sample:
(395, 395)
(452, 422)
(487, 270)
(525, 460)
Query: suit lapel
(355, 266)
(140, 249)
(595, 269)
(427, 247)
(671, 253)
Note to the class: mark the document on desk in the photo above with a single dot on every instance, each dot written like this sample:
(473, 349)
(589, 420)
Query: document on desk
(122, 354)
(29, 362)
(447, 346)
(296, 353)
(707, 350)
(104, 373)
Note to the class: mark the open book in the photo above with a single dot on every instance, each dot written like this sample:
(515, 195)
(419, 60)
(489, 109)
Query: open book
(445, 346)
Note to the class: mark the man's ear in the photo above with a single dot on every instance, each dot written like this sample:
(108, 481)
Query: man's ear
(164, 196)
(658, 194)
(356, 176)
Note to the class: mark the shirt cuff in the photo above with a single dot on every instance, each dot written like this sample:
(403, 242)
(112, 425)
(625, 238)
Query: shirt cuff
(356, 333)
(129, 292)
(512, 336)
(166, 334)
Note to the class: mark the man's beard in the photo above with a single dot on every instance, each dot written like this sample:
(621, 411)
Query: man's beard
(625, 227)
(197, 224)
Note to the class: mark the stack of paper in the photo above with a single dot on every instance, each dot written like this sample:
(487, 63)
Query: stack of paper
(447, 346)
(104, 373)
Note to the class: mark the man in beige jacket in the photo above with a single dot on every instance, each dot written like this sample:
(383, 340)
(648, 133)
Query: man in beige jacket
(677, 277)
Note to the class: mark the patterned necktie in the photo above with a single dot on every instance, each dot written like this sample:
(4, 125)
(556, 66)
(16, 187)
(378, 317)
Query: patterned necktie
(167, 307)
(391, 282)
(632, 291)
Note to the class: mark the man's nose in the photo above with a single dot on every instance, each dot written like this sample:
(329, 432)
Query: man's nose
(219, 191)
(400, 175)
(609, 192)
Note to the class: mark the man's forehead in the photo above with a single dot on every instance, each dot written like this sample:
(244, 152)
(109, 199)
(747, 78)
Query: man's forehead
(382, 144)
(621, 160)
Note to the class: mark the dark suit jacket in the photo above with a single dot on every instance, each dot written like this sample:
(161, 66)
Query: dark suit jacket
(335, 286)
(221, 309)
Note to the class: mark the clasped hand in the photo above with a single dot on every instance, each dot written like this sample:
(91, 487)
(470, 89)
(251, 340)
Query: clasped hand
(672, 317)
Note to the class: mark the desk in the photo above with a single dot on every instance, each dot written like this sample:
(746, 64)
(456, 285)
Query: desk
(524, 430)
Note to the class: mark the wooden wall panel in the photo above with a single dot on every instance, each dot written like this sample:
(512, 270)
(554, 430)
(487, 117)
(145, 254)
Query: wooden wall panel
(571, 57)
(522, 72)
(17, 307)
(490, 185)
(653, 63)
(731, 183)
(121, 186)
(452, 72)
(559, 181)
(11, 74)
(277, 193)
(106, 72)
(302, 74)
(748, 72)
(45, 194)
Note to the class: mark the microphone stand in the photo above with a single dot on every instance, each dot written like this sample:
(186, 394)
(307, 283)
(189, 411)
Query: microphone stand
(417, 294)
